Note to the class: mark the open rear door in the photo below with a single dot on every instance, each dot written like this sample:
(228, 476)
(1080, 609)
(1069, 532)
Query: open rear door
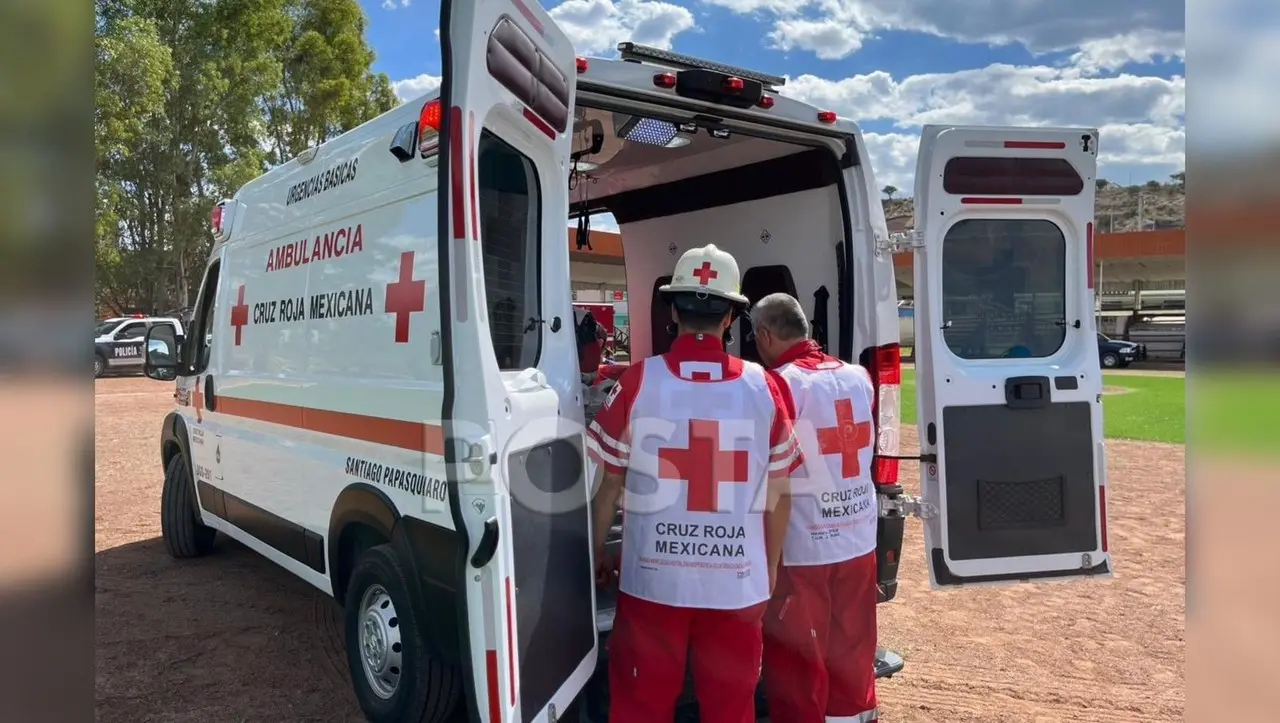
(1009, 385)
(513, 440)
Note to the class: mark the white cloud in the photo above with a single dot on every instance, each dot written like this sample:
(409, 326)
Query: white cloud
(1140, 46)
(828, 39)
(893, 159)
(753, 6)
(998, 95)
(1141, 144)
(1140, 119)
(834, 28)
(597, 26)
(411, 88)
(393, 4)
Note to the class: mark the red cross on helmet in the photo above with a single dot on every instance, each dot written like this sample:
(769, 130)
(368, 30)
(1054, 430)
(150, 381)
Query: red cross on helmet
(707, 270)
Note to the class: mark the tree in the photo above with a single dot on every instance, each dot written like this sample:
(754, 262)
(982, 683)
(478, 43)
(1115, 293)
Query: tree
(1102, 183)
(133, 68)
(177, 101)
(193, 101)
(326, 86)
(889, 191)
(1179, 180)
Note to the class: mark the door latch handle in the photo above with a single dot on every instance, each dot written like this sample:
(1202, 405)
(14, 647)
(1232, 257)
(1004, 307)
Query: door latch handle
(210, 396)
(1026, 392)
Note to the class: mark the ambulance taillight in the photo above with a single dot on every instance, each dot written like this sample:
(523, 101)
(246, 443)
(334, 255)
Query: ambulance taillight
(429, 128)
(885, 368)
(221, 219)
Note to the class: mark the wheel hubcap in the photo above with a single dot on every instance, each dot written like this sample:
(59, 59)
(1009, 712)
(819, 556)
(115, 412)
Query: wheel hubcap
(380, 645)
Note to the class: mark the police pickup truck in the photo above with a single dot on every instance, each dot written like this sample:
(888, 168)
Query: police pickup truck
(118, 343)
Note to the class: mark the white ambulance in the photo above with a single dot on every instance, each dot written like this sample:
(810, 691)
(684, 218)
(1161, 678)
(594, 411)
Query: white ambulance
(381, 390)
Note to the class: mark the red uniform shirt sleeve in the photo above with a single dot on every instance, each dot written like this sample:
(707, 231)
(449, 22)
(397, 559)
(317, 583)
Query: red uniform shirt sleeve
(785, 456)
(609, 434)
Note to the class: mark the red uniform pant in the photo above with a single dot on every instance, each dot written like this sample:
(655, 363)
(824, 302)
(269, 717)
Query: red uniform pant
(820, 643)
(650, 646)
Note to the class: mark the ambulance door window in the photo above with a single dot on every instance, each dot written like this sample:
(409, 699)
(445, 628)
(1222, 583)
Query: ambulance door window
(510, 239)
(1004, 288)
(200, 343)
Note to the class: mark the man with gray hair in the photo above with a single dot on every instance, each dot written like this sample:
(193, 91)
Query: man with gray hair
(820, 626)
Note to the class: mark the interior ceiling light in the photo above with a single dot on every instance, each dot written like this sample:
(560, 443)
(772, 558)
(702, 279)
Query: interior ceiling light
(679, 142)
(584, 166)
(639, 129)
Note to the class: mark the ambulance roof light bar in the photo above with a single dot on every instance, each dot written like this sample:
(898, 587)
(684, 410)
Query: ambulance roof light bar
(635, 52)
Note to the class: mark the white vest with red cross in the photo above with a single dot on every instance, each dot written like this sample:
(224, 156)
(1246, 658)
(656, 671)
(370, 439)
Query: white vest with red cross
(693, 530)
(833, 500)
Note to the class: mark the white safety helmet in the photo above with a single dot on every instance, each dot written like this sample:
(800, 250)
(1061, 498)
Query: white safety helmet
(707, 271)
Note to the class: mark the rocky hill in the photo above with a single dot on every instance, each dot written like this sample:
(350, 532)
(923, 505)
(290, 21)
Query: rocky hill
(1118, 208)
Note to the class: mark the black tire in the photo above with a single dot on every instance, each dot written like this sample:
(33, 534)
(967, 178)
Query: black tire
(428, 689)
(185, 536)
(1110, 360)
(99, 366)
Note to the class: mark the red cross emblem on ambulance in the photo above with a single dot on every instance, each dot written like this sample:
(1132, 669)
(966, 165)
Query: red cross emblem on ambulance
(405, 296)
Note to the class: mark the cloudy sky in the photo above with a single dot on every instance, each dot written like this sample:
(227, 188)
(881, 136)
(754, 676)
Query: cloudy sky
(893, 65)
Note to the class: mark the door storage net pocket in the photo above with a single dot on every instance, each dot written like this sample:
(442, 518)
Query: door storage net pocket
(1020, 505)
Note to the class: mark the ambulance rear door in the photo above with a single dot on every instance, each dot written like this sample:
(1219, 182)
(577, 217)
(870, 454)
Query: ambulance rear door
(512, 399)
(1009, 401)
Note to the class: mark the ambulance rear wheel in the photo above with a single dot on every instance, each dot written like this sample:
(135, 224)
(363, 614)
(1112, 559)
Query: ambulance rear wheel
(395, 676)
(180, 526)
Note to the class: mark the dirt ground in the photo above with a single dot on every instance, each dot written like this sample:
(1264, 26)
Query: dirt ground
(230, 637)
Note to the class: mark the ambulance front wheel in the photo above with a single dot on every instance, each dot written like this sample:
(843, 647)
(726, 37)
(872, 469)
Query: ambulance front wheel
(184, 534)
(394, 675)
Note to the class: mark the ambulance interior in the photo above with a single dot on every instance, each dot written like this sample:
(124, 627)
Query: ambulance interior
(671, 186)
(675, 185)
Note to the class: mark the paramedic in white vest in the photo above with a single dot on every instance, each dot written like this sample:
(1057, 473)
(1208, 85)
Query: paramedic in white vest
(697, 446)
(820, 629)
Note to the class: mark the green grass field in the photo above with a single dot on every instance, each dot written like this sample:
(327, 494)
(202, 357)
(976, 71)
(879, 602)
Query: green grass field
(1146, 408)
